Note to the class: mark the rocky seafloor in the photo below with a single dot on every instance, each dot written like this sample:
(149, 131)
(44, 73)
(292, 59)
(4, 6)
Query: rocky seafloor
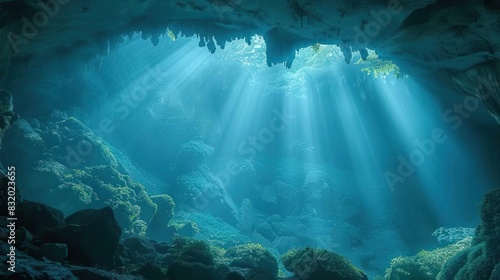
(89, 244)
(110, 227)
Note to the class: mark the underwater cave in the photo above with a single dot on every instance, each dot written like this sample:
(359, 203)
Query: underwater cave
(250, 139)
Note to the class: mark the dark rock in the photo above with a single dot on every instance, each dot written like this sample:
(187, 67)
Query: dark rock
(140, 250)
(151, 272)
(23, 237)
(37, 216)
(91, 235)
(181, 270)
(54, 251)
(258, 274)
(234, 276)
(161, 247)
(139, 244)
(221, 271)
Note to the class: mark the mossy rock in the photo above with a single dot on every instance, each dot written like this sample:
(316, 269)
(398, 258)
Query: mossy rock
(472, 264)
(490, 223)
(159, 228)
(84, 193)
(193, 260)
(426, 264)
(191, 250)
(480, 260)
(478, 266)
(453, 265)
(165, 205)
(317, 264)
(101, 185)
(252, 256)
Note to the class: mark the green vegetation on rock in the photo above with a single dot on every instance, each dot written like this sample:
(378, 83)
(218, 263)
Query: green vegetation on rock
(194, 260)
(479, 261)
(102, 185)
(318, 264)
(375, 66)
(426, 264)
(252, 256)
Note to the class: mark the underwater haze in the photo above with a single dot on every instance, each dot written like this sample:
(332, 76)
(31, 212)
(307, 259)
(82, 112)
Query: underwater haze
(242, 163)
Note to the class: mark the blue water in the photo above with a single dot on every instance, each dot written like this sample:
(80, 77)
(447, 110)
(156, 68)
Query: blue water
(320, 155)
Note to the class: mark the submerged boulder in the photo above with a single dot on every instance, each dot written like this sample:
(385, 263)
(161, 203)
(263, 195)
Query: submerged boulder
(36, 216)
(252, 256)
(317, 264)
(151, 272)
(140, 250)
(193, 260)
(426, 264)
(54, 251)
(181, 270)
(92, 237)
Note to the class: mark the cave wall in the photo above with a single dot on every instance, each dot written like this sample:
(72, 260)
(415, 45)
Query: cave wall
(433, 36)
